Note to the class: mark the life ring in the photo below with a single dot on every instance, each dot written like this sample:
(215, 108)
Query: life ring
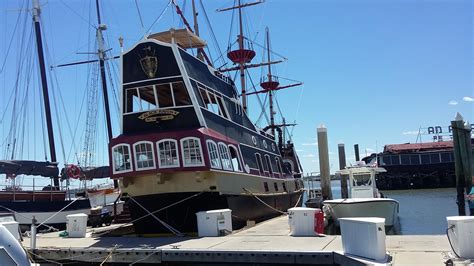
(73, 171)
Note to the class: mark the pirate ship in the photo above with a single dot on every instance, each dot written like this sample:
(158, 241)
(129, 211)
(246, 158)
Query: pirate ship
(187, 143)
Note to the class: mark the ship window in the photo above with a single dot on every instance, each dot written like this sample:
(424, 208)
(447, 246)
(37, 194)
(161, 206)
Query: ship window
(284, 187)
(121, 158)
(168, 153)
(386, 160)
(234, 155)
(414, 159)
(181, 96)
(191, 152)
(395, 159)
(165, 97)
(278, 163)
(225, 157)
(144, 158)
(265, 185)
(269, 164)
(445, 157)
(213, 102)
(213, 154)
(296, 185)
(405, 159)
(425, 158)
(434, 158)
(258, 158)
(275, 185)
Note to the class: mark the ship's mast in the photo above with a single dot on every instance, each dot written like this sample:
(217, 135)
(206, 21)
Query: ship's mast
(196, 29)
(241, 63)
(44, 84)
(101, 53)
(270, 92)
(241, 56)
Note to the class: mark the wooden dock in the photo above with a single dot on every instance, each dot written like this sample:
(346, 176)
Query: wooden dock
(266, 243)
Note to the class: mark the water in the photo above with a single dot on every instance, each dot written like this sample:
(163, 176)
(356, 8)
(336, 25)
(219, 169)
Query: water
(422, 211)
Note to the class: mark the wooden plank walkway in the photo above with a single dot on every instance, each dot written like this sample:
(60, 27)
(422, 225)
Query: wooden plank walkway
(267, 242)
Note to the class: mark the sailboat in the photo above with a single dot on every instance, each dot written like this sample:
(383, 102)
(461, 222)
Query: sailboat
(49, 206)
(187, 143)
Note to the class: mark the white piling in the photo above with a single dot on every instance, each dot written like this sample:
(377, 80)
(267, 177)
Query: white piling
(33, 234)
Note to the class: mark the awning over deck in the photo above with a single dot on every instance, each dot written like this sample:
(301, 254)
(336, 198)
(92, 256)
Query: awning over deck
(183, 37)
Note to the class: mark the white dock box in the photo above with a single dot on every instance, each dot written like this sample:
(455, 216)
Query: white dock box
(215, 222)
(364, 237)
(13, 227)
(76, 225)
(461, 234)
(302, 221)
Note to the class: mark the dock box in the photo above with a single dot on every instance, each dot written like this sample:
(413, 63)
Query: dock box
(302, 221)
(214, 223)
(364, 237)
(461, 235)
(76, 225)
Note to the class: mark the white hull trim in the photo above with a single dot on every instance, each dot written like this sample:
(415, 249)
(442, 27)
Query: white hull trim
(363, 207)
(25, 218)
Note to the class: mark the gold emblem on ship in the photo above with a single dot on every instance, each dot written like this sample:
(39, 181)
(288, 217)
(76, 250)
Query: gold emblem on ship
(158, 115)
(149, 62)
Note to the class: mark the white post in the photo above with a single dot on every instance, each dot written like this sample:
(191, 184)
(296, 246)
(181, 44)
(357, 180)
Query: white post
(33, 234)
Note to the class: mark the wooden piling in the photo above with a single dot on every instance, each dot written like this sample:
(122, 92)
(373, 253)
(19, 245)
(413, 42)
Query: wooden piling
(462, 161)
(324, 170)
(356, 152)
(342, 165)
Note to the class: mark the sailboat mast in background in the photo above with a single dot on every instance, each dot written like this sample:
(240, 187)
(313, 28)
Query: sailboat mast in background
(44, 84)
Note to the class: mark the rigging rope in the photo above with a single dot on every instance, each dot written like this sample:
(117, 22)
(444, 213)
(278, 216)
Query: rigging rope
(159, 17)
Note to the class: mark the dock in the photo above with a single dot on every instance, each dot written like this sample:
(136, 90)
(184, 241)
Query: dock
(266, 243)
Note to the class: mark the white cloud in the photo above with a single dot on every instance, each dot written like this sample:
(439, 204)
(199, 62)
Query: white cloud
(309, 155)
(299, 150)
(468, 99)
(310, 144)
(414, 132)
(452, 102)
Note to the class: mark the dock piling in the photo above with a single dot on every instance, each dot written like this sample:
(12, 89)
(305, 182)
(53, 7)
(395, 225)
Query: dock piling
(462, 160)
(356, 152)
(342, 165)
(323, 151)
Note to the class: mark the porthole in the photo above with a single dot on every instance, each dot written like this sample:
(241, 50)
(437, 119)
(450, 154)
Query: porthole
(254, 140)
(265, 144)
(273, 146)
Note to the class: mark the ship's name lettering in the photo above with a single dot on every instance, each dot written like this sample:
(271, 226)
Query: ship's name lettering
(158, 115)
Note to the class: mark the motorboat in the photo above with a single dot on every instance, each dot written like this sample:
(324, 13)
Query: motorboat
(364, 198)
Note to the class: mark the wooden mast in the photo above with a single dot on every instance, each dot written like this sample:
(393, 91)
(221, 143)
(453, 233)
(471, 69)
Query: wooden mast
(196, 29)
(102, 55)
(241, 63)
(270, 92)
(44, 84)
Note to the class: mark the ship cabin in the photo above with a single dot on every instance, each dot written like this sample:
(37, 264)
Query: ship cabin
(180, 114)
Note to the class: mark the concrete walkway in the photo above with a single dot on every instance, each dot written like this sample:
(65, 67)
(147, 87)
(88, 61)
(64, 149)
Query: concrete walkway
(270, 240)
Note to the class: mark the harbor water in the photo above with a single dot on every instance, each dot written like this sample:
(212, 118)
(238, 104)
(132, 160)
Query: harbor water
(422, 211)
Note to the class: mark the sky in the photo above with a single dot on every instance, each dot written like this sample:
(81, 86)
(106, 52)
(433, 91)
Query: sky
(375, 72)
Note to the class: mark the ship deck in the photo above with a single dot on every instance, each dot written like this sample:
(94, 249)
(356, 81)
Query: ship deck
(267, 242)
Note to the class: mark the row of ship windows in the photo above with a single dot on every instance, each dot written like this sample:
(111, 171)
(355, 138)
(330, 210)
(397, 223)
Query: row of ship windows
(283, 184)
(191, 152)
(416, 159)
(221, 156)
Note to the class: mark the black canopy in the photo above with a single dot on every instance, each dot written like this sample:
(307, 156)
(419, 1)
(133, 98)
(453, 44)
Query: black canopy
(14, 167)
